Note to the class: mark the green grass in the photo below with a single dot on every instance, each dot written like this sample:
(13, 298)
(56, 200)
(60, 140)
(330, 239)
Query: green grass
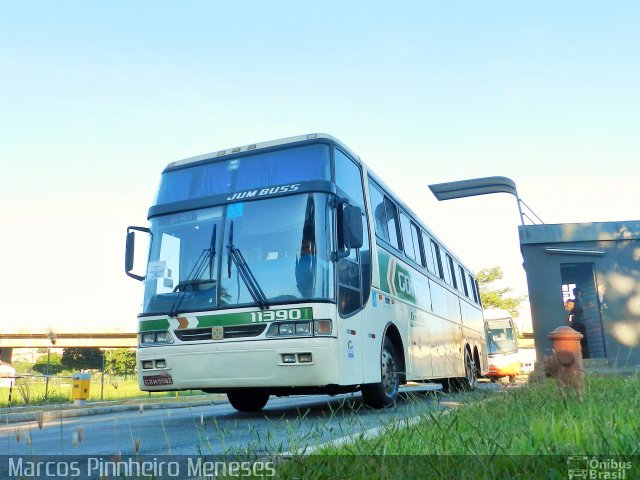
(529, 433)
(60, 391)
(525, 432)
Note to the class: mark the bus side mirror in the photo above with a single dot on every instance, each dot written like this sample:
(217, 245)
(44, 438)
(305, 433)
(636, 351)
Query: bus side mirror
(350, 234)
(129, 259)
(355, 227)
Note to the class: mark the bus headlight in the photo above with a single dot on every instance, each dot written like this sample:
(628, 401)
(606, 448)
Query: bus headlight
(290, 329)
(163, 337)
(286, 329)
(151, 338)
(303, 328)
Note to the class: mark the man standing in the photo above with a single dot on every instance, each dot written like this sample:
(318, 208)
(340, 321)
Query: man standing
(576, 321)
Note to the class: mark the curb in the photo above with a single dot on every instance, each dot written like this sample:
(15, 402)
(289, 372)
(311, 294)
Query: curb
(83, 411)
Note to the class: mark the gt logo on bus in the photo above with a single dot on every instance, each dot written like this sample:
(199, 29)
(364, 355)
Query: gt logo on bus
(404, 283)
(289, 314)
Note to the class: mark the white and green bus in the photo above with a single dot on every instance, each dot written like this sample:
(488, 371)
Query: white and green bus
(288, 267)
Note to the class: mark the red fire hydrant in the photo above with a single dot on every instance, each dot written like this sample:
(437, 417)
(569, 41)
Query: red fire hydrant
(565, 364)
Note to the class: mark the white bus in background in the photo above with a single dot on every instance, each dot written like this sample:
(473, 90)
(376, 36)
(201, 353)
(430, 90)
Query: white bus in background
(502, 342)
(288, 267)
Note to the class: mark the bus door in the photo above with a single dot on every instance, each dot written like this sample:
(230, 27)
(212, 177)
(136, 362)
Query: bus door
(350, 323)
(353, 274)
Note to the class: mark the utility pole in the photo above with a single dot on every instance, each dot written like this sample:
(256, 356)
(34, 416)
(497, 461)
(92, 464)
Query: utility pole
(52, 339)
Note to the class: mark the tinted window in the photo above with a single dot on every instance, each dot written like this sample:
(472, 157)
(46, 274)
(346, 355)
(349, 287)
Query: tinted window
(473, 290)
(407, 238)
(453, 270)
(429, 260)
(463, 281)
(448, 270)
(392, 222)
(349, 178)
(435, 250)
(267, 169)
(379, 213)
(415, 236)
(385, 215)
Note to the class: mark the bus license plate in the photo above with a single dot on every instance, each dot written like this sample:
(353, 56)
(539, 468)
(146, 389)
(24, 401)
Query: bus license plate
(156, 380)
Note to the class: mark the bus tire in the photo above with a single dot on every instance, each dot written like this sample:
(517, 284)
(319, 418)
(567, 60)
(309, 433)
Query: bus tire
(463, 384)
(384, 394)
(470, 380)
(248, 401)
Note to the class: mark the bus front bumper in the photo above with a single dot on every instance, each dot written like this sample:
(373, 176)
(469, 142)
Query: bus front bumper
(504, 369)
(308, 362)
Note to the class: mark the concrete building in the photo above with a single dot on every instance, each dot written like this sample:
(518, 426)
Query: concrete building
(602, 260)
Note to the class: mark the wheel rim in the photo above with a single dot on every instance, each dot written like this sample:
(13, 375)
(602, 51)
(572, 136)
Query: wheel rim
(472, 378)
(389, 374)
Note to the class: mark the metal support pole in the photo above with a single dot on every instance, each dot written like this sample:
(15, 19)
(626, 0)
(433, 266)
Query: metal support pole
(46, 380)
(102, 376)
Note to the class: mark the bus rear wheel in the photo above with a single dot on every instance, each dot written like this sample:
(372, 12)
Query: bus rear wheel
(463, 384)
(470, 380)
(384, 394)
(248, 401)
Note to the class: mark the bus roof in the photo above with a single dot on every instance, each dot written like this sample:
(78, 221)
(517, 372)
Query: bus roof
(272, 144)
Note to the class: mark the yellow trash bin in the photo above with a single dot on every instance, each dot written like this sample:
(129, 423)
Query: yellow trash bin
(81, 387)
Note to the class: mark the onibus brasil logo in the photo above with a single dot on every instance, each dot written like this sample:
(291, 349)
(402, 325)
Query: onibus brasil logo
(588, 468)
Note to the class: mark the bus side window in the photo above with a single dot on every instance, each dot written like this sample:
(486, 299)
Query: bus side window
(415, 235)
(379, 213)
(386, 216)
(473, 290)
(407, 238)
(453, 271)
(435, 250)
(429, 261)
(392, 222)
(448, 270)
(477, 291)
(463, 281)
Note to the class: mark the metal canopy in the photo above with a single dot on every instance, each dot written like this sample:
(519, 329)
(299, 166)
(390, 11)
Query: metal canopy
(472, 187)
(480, 186)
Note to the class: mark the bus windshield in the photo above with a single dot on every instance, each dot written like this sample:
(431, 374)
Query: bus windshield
(501, 337)
(285, 243)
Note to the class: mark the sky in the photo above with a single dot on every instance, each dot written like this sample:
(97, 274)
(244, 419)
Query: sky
(96, 98)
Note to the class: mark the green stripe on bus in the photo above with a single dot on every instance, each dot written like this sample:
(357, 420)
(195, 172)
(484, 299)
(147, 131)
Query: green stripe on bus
(258, 316)
(149, 325)
(383, 265)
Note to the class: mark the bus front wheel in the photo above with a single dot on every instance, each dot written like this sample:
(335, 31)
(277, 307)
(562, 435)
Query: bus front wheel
(247, 401)
(384, 394)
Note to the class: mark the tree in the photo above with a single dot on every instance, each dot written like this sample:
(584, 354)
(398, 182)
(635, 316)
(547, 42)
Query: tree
(76, 359)
(496, 297)
(121, 361)
(55, 365)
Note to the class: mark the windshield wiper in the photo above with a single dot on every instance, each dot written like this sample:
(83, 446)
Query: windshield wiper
(212, 250)
(193, 280)
(248, 278)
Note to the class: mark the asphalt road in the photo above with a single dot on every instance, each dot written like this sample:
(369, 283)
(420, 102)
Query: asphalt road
(285, 425)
